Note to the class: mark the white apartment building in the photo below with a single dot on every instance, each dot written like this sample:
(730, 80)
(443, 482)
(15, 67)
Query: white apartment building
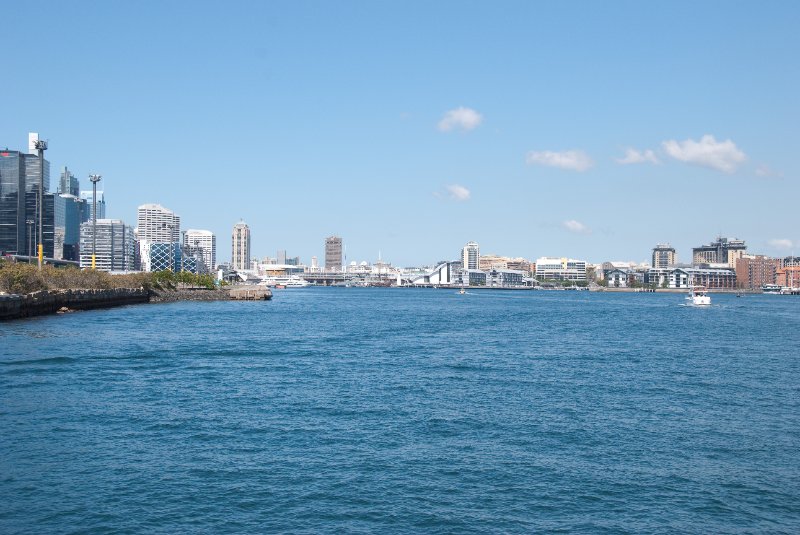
(560, 269)
(202, 243)
(471, 256)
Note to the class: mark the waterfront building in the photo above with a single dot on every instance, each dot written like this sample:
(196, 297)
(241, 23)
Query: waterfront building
(550, 268)
(333, 253)
(788, 275)
(115, 245)
(69, 183)
(507, 278)
(88, 196)
(664, 256)
(754, 271)
(471, 256)
(711, 278)
(202, 244)
(446, 273)
(240, 247)
(722, 251)
(155, 225)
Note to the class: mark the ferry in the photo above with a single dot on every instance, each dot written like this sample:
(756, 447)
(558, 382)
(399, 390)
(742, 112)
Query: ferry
(285, 281)
(771, 289)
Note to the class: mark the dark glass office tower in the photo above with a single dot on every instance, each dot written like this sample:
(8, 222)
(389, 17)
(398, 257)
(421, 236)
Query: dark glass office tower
(19, 187)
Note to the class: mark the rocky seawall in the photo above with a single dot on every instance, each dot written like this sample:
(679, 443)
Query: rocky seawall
(194, 294)
(52, 301)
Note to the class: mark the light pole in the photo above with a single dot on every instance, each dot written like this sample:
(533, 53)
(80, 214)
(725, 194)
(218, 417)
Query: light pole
(94, 179)
(41, 146)
(29, 222)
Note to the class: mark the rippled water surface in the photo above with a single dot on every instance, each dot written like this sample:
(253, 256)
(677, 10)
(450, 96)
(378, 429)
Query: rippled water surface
(385, 410)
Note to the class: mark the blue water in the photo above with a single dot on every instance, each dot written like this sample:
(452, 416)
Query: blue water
(386, 410)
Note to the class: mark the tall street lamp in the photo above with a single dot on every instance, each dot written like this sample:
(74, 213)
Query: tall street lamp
(94, 179)
(30, 222)
(41, 146)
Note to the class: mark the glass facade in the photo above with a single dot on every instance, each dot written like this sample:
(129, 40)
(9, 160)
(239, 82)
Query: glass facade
(19, 187)
(165, 256)
(13, 237)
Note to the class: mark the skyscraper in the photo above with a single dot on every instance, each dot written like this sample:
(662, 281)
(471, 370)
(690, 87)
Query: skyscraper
(69, 214)
(19, 216)
(333, 253)
(664, 256)
(240, 252)
(471, 256)
(155, 224)
(69, 183)
(101, 205)
(202, 243)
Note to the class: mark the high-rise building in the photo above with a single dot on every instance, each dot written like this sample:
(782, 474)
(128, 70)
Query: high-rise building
(155, 224)
(101, 204)
(69, 183)
(664, 256)
(240, 247)
(333, 253)
(19, 204)
(69, 214)
(722, 251)
(115, 247)
(202, 244)
(471, 256)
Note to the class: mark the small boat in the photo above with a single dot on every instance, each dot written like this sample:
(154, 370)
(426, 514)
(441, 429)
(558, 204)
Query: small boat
(698, 296)
(462, 291)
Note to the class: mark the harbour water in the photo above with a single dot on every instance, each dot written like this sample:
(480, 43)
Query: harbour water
(385, 410)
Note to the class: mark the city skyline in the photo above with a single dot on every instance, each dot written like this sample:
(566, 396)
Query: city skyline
(577, 130)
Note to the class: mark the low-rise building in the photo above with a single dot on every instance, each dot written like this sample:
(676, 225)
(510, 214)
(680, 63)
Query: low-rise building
(549, 268)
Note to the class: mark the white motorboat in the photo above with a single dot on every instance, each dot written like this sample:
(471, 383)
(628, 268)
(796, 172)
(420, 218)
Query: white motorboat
(698, 296)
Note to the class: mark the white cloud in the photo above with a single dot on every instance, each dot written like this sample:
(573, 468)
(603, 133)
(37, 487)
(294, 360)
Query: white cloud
(574, 160)
(458, 192)
(766, 171)
(708, 152)
(576, 226)
(781, 243)
(635, 156)
(460, 119)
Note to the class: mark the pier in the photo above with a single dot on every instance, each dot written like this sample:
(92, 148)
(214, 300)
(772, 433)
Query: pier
(251, 293)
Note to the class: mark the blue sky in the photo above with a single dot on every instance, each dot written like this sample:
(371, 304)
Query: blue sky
(414, 127)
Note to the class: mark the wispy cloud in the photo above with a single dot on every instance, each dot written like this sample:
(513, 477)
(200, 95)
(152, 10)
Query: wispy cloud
(766, 171)
(781, 243)
(576, 226)
(458, 192)
(636, 156)
(573, 160)
(454, 192)
(708, 152)
(460, 119)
